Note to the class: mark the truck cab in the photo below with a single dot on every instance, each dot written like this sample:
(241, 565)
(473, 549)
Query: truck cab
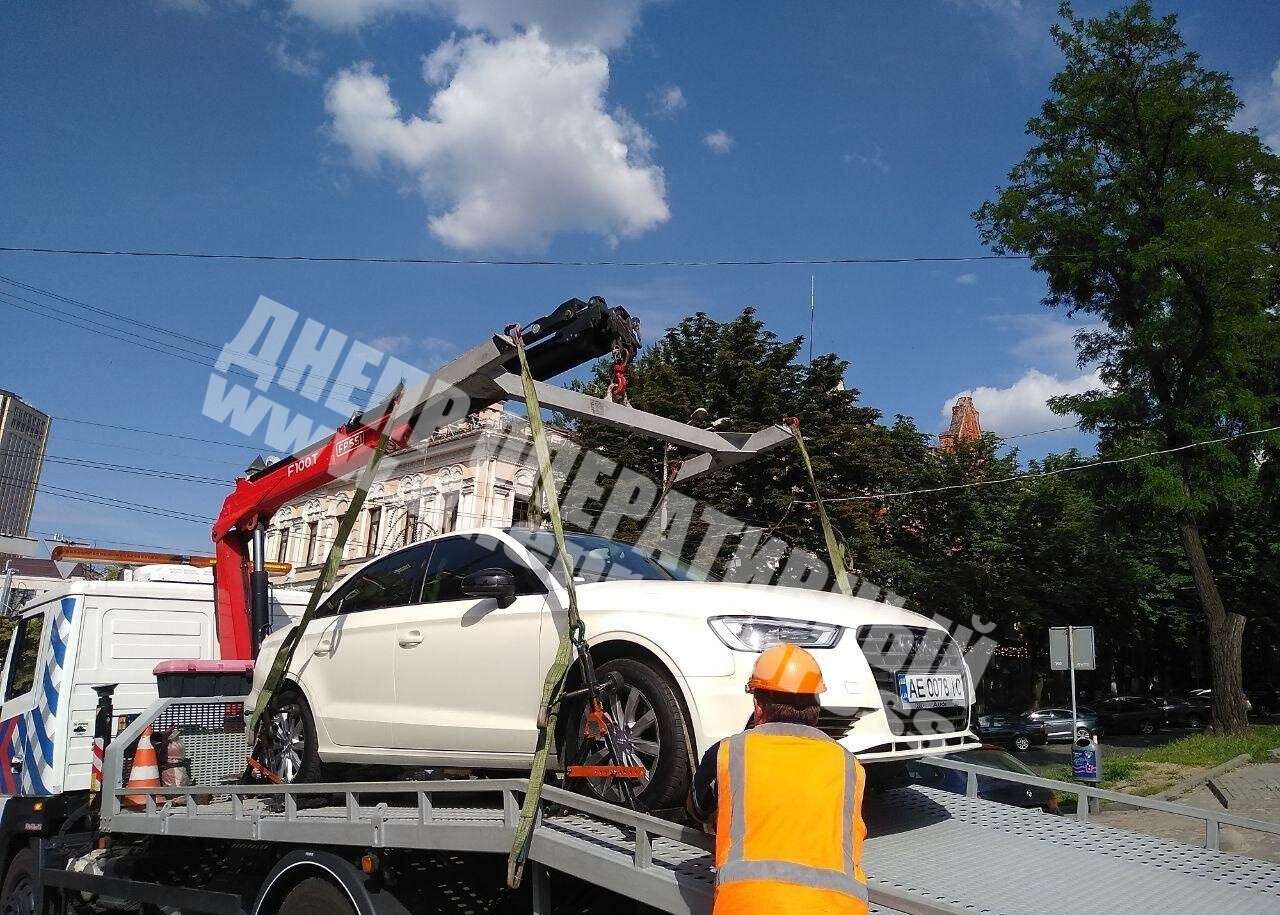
(84, 634)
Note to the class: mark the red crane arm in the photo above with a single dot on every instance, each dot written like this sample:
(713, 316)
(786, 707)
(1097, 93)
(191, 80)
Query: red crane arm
(255, 499)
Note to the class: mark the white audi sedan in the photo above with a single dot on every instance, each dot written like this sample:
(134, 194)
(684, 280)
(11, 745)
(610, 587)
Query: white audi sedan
(435, 655)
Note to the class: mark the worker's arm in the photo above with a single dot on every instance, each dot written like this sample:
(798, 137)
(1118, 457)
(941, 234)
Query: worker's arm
(703, 795)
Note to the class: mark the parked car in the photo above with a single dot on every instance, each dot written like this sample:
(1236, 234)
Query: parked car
(1011, 730)
(1265, 699)
(1205, 696)
(1057, 722)
(435, 655)
(1130, 715)
(990, 787)
(1192, 712)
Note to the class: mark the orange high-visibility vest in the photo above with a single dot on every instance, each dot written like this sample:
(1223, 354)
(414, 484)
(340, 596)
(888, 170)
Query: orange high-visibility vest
(789, 829)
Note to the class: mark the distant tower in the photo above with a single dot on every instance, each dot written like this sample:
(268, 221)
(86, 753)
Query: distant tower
(24, 430)
(966, 426)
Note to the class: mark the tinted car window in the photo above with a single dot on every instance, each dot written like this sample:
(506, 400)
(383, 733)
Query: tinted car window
(595, 558)
(393, 581)
(457, 557)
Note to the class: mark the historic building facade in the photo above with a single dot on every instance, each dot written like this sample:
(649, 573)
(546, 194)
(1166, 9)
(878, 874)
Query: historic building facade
(476, 473)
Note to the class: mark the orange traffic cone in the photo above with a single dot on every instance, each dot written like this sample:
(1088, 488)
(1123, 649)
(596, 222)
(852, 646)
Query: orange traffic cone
(145, 772)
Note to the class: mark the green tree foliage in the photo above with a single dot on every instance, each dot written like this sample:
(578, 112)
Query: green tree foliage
(1146, 211)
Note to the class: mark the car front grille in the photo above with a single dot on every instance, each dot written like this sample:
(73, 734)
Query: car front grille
(890, 649)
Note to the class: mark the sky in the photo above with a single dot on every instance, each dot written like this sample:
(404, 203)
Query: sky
(562, 130)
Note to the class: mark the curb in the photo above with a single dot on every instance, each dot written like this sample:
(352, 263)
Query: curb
(1274, 754)
(1196, 781)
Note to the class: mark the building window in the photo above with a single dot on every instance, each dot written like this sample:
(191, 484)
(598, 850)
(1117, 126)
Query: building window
(520, 510)
(410, 527)
(282, 544)
(450, 520)
(375, 522)
(313, 528)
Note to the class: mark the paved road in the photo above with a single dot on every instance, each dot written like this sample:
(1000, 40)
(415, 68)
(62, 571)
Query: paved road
(1118, 745)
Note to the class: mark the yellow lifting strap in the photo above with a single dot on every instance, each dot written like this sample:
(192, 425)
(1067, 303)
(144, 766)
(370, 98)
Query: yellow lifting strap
(573, 631)
(284, 657)
(835, 546)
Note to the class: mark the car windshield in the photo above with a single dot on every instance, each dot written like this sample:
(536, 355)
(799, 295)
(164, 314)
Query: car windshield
(995, 759)
(596, 558)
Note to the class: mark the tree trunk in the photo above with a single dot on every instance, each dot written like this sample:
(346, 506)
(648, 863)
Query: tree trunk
(1226, 636)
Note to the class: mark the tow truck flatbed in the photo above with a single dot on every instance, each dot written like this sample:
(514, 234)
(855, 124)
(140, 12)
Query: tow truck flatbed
(930, 852)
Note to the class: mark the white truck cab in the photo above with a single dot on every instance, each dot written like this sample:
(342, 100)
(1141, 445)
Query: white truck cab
(84, 634)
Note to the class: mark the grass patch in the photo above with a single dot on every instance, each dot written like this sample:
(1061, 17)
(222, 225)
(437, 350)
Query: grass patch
(1208, 749)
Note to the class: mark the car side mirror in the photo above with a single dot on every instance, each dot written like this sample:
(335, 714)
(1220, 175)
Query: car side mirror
(496, 583)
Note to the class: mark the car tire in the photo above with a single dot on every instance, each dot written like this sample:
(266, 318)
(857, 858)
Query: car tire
(1146, 727)
(651, 713)
(1195, 722)
(292, 748)
(316, 895)
(18, 896)
(1022, 743)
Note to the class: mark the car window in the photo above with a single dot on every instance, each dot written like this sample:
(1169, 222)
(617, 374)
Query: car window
(392, 581)
(455, 558)
(596, 558)
(22, 670)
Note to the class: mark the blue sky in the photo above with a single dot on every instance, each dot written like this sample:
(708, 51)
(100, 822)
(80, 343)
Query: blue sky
(487, 128)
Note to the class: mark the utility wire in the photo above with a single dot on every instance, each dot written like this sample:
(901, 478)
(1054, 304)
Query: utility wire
(1019, 477)
(502, 262)
(134, 429)
(64, 537)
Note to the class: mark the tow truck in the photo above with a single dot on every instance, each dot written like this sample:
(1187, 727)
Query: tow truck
(215, 841)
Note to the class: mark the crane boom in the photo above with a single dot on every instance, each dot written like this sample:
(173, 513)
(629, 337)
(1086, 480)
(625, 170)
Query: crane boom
(575, 333)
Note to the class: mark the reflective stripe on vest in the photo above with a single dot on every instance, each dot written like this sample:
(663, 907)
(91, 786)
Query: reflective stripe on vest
(735, 862)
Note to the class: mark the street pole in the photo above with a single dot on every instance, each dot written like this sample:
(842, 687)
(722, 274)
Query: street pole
(1071, 666)
(666, 470)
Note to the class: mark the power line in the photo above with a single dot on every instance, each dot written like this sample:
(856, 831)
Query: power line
(187, 438)
(502, 262)
(86, 464)
(1019, 477)
(62, 536)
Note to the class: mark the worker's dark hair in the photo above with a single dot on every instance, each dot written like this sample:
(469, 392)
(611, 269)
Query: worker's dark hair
(788, 708)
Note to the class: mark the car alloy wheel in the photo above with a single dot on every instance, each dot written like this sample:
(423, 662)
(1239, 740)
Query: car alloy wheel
(286, 741)
(639, 738)
(1022, 743)
(1147, 727)
(1193, 721)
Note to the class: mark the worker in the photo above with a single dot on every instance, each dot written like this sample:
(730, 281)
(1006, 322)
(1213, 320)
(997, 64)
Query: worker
(784, 801)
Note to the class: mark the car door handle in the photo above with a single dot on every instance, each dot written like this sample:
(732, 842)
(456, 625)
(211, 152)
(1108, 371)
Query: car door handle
(323, 647)
(410, 639)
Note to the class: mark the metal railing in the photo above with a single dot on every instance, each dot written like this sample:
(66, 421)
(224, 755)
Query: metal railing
(1213, 820)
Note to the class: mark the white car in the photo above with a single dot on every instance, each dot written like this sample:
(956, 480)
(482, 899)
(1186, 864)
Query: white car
(435, 655)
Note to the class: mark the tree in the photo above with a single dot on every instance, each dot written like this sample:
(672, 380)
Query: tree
(740, 372)
(1146, 211)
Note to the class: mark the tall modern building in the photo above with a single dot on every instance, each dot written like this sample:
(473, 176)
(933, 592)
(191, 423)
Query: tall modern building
(24, 431)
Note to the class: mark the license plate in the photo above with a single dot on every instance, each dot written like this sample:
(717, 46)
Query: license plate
(925, 690)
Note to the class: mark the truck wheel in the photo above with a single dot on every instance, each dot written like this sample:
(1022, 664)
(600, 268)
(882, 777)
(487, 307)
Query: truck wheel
(316, 896)
(654, 731)
(18, 897)
(291, 740)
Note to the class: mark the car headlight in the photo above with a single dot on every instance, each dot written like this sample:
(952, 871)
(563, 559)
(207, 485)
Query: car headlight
(756, 633)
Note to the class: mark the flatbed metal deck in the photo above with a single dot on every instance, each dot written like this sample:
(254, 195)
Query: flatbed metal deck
(929, 852)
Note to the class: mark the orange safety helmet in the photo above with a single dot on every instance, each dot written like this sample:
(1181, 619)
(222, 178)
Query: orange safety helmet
(787, 668)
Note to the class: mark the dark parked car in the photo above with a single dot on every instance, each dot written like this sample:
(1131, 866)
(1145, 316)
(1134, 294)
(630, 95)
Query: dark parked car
(1057, 722)
(1192, 712)
(1265, 699)
(1010, 730)
(1130, 715)
(990, 787)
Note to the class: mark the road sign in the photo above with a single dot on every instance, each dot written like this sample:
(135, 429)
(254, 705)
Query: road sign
(1081, 649)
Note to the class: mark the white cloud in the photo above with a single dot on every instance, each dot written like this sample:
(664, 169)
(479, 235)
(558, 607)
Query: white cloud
(718, 142)
(1022, 406)
(1044, 341)
(967, 279)
(1262, 109)
(395, 343)
(305, 63)
(671, 100)
(517, 146)
(561, 22)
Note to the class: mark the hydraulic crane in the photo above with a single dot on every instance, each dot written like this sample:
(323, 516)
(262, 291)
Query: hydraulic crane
(574, 333)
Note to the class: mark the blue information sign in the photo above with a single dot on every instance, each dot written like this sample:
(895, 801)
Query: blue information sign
(1084, 762)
